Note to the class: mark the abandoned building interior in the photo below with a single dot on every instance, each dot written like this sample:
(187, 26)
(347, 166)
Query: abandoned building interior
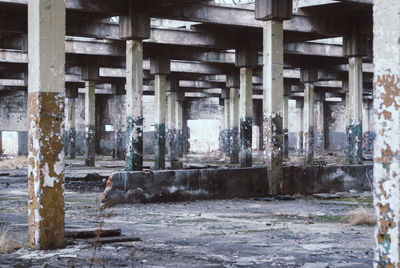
(199, 133)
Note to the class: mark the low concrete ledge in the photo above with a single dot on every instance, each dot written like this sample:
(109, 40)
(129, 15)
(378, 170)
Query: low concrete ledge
(224, 183)
(325, 179)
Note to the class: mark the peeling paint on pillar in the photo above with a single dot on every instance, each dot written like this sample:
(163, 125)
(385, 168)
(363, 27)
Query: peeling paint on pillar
(386, 126)
(134, 105)
(387, 168)
(45, 170)
(46, 69)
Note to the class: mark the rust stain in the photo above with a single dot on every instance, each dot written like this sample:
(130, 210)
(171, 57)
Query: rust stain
(390, 83)
(46, 206)
(386, 156)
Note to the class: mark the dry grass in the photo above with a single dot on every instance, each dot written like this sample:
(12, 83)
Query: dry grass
(14, 163)
(360, 216)
(7, 245)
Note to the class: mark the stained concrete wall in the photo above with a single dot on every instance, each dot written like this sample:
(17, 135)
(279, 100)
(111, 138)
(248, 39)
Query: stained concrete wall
(182, 185)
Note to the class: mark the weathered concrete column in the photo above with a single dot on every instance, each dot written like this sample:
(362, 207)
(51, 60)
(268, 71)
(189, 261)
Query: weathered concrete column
(90, 123)
(160, 67)
(285, 120)
(246, 116)
(300, 133)
(246, 59)
(1, 143)
(226, 127)
(71, 94)
(355, 45)
(308, 77)
(172, 122)
(118, 90)
(134, 28)
(180, 98)
(273, 12)
(234, 124)
(320, 124)
(233, 83)
(386, 120)
(171, 99)
(355, 111)
(46, 25)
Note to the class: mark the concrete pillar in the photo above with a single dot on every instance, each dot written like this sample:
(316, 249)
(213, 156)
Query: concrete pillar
(274, 13)
(355, 46)
(246, 116)
(46, 24)
(246, 59)
(70, 95)
(159, 98)
(226, 126)
(1, 143)
(300, 133)
(172, 110)
(320, 124)
(308, 77)
(386, 120)
(134, 105)
(118, 90)
(309, 122)
(355, 111)
(90, 123)
(160, 67)
(71, 130)
(285, 126)
(180, 98)
(273, 102)
(234, 124)
(134, 28)
(233, 83)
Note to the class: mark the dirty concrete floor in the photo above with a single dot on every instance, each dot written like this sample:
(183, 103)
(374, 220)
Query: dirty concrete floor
(223, 233)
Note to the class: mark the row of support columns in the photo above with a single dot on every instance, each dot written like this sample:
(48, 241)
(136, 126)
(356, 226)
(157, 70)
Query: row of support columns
(46, 115)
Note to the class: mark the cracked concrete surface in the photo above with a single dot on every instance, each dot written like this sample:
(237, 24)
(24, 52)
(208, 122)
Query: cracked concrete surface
(224, 233)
